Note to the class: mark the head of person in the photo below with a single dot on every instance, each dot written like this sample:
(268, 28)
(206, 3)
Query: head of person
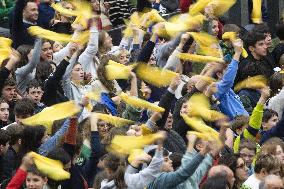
(215, 27)
(35, 179)
(32, 138)
(264, 30)
(247, 151)
(123, 56)
(222, 169)
(269, 119)
(280, 31)
(26, 55)
(64, 18)
(8, 90)
(61, 155)
(15, 132)
(105, 42)
(274, 146)
(56, 46)
(266, 164)
(256, 45)
(218, 181)
(103, 128)
(30, 12)
(77, 74)
(272, 182)
(102, 75)
(46, 51)
(34, 91)
(239, 124)
(95, 5)
(4, 110)
(167, 165)
(176, 160)
(115, 168)
(276, 83)
(237, 165)
(43, 71)
(4, 141)
(24, 108)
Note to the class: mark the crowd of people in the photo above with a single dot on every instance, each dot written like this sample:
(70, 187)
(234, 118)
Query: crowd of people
(209, 134)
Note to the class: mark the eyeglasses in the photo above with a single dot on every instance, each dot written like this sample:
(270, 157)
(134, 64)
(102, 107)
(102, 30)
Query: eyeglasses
(246, 155)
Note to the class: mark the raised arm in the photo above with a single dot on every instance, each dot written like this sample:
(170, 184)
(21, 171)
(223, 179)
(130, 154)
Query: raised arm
(228, 79)
(17, 24)
(25, 70)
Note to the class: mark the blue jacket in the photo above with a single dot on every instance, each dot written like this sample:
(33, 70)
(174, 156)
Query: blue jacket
(230, 103)
(46, 13)
(173, 179)
(276, 131)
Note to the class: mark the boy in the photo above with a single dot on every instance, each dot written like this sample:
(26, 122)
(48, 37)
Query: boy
(35, 93)
(29, 173)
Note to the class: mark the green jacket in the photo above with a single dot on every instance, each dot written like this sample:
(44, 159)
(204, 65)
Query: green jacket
(254, 126)
(5, 8)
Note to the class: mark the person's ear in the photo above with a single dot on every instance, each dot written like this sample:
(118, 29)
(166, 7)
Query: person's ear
(19, 141)
(251, 48)
(45, 179)
(263, 172)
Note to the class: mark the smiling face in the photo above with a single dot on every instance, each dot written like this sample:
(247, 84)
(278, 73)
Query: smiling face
(30, 12)
(241, 170)
(46, 52)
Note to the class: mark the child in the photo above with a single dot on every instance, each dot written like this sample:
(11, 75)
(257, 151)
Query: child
(269, 120)
(35, 93)
(29, 173)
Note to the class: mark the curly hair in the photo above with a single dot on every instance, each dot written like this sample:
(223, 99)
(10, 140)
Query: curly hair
(109, 85)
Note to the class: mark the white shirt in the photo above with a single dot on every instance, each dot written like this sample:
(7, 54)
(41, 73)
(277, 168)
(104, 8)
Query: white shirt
(252, 182)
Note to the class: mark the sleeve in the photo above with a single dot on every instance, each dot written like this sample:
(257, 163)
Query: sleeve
(166, 103)
(172, 179)
(202, 168)
(51, 143)
(18, 180)
(90, 167)
(139, 180)
(53, 82)
(254, 122)
(173, 61)
(276, 131)
(166, 49)
(228, 79)
(25, 70)
(92, 48)
(146, 52)
(17, 24)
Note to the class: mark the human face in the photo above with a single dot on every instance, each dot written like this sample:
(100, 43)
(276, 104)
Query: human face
(103, 128)
(146, 91)
(215, 28)
(241, 170)
(35, 94)
(96, 5)
(57, 46)
(169, 122)
(124, 58)
(4, 111)
(46, 52)
(268, 39)
(35, 182)
(167, 165)
(152, 61)
(247, 156)
(279, 153)
(77, 74)
(108, 41)
(259, 49)
(31, 12)
(19, 119)
(271, 123)
(8, 93)
(184, 108)
(4, 148)
(134, 130)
